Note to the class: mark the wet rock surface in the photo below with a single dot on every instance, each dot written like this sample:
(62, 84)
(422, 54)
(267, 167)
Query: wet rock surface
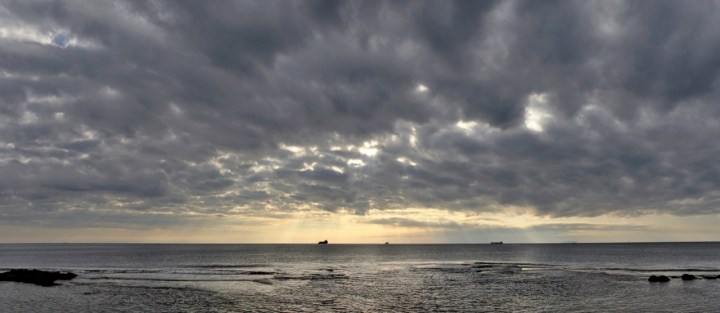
(659, 279)
(688, 277)
(37, 277)
(311, 277)
(259, 273)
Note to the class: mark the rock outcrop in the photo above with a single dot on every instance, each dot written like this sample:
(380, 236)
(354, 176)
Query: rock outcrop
(37, 277)
(688, 277)
(659, 279)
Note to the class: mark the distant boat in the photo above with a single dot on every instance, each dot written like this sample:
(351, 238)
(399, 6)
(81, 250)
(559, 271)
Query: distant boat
(323, 242)
(496, 242)
(387, 243)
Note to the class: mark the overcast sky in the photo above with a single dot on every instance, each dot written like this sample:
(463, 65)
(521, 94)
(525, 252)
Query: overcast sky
(411, 121)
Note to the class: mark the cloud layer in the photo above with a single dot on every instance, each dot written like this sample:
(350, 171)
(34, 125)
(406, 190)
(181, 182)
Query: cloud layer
(185, 109)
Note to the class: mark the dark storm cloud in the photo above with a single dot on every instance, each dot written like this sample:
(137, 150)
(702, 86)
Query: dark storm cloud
(566, 108)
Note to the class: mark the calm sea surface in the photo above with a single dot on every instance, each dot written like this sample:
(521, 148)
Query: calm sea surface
(365, 278)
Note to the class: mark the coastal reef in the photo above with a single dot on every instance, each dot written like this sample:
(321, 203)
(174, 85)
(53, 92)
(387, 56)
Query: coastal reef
(660, 279)
(37, 277)
(688, 277)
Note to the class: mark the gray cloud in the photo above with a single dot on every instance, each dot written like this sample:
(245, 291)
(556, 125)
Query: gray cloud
(566, 108)
(406, 222)
(560, 228)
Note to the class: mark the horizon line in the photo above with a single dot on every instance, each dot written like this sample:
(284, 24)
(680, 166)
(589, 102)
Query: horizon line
(350, 243)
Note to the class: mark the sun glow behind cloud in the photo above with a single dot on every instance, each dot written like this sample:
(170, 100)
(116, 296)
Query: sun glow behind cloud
(402, 122)
(396, 226)
(536, 112)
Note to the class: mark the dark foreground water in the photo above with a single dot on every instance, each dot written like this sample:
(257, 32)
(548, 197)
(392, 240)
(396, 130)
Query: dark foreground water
(366, 278)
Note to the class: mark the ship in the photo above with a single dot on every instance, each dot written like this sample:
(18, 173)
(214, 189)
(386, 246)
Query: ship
(496, 242)
(387, 242)
(323, 242)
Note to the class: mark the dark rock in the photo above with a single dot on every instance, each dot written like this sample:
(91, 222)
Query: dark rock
(259, 273)
(688, 277)
(37, 277)
(659, 279)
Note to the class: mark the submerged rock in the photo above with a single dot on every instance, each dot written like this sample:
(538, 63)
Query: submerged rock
(37, 277)
(263, 281)
(688, 277)
(310, 277)
(259, 273)
(659, 279)
(709, 277)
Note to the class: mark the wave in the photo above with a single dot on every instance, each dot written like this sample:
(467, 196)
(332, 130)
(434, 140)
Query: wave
(262, 271)
(310, 277)
(443, 269)
(228, 265)
(525, 264)
(261, 280)
(163, 279)
(476, 267)
(658, 269)
(175, 271)
(481, 265)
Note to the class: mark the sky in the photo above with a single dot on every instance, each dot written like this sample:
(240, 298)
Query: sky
(359, 121)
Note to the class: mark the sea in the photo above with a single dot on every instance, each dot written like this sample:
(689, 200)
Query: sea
(608, 277)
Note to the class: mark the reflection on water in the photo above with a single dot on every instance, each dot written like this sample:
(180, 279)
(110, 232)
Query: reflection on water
(366, 278)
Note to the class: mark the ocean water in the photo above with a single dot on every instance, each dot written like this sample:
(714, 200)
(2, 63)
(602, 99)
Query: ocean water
(365, 278)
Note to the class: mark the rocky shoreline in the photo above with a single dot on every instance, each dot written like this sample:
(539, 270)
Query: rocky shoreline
(663, 278)
(37, 277)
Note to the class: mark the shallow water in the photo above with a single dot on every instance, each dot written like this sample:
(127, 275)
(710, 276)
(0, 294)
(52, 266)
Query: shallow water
(366, 278)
